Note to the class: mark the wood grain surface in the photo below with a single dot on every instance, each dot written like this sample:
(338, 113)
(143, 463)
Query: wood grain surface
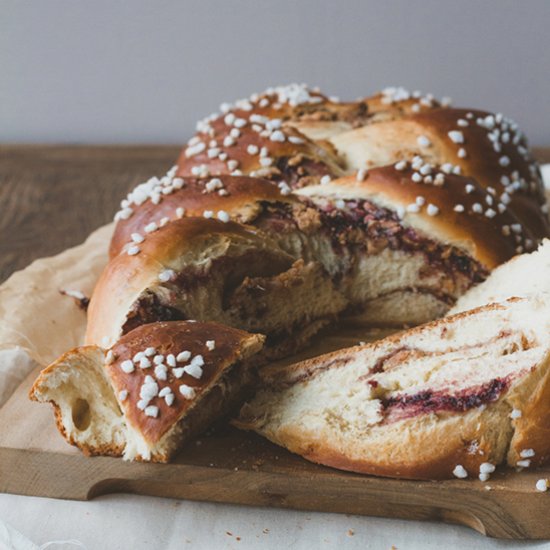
(52, 197)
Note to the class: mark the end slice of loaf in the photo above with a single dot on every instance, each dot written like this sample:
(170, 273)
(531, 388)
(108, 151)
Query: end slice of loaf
(469, 389)
(159, 385)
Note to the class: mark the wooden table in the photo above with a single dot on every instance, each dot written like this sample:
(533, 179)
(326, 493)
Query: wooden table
(53, 196)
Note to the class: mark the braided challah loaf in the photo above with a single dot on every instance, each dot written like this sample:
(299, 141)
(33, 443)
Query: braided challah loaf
(292, 210)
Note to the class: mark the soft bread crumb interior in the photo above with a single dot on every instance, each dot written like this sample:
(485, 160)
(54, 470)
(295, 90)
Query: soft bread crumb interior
(86, 405)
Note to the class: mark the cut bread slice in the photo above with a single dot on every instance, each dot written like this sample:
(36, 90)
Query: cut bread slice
(161, 384)
(524, 275)
(466, 390)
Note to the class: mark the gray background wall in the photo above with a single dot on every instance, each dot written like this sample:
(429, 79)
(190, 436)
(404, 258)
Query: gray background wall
(145, 71)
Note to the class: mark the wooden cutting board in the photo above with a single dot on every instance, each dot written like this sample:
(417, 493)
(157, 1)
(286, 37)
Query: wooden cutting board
(231, 466)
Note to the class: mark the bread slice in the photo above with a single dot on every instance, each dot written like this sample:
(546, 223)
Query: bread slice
(466, 390)
(524, 275)
(161, 384)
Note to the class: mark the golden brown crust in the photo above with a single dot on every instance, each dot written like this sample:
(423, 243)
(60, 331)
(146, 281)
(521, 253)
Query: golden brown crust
(240, 199)
(485, 234)
(126, 276)
(483, 161)
(488, 148)
(296, 163)
(167, 241)
(173, 338)
(532, 428)
(232, 142)
(388, 105)
(443, 451)
(482, 158)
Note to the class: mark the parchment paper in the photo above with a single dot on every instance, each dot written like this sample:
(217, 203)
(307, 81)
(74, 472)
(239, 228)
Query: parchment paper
(37, 324)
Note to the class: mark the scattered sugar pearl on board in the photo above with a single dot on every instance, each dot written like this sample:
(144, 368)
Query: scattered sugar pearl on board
(460, 472)
(485, 470)
(223, 216)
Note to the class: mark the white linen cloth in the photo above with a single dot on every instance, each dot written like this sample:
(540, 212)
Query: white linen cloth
(120, 522)
(129, 522)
